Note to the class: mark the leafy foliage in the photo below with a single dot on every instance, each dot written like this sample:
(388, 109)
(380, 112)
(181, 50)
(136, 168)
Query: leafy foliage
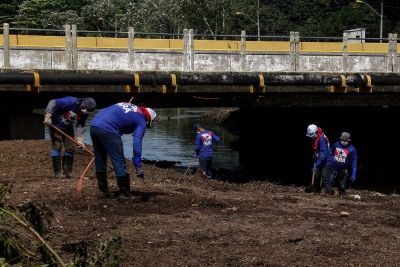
(18, 248)
(206, 17)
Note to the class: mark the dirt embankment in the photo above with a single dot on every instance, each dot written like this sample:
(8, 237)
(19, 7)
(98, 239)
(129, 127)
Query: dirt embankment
(178, 220)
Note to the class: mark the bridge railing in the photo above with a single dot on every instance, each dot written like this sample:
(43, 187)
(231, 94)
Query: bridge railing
(73, 41)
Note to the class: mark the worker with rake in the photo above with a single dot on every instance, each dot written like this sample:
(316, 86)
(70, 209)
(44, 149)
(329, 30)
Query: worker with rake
(106, 129)
(61, 113)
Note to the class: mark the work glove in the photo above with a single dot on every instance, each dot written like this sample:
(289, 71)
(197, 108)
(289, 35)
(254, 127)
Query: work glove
(352, 179)
(139, 173)
(80, 142)
(47, 119)
(314, 169)
(79, 137)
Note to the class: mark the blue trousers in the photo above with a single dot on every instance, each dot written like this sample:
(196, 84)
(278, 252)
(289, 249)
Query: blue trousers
(205, 165)
(108, 143)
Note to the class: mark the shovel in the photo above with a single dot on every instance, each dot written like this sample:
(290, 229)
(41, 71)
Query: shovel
(310, 188)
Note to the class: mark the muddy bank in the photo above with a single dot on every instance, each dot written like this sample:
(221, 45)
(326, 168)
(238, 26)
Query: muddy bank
(188, 221)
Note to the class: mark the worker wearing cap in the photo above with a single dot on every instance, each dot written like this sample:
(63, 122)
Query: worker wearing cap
(106, 129)
(62, 113)
(323, 159)
(345, 159)
(204, 148)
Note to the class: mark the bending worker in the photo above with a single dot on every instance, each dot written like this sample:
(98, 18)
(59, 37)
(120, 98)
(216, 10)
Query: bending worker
(62, 112)
(106, 129)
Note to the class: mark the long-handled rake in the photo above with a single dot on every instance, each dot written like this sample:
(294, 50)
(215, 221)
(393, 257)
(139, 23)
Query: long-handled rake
(190, 165)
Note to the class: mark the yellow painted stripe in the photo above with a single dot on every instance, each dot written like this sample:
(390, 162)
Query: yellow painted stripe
(207, 45)
(276, 46)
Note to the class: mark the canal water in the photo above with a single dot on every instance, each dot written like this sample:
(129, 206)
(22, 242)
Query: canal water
(172, 139)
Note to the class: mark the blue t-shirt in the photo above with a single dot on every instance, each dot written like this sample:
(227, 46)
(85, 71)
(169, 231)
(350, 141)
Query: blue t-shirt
(323, 154)
(345, 157)
(204, 143)
(65, 112)
(124, 118)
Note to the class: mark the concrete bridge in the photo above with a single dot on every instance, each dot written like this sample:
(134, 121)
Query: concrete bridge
(279, 85)
(286, 72)
(289, 53)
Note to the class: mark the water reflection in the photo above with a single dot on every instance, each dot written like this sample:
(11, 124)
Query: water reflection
(172, 138)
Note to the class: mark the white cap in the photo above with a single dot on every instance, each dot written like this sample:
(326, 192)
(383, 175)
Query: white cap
(311, 130)
(153, 115)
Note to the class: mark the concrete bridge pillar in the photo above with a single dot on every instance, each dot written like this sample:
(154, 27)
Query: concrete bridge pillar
(186, 51)
(68, 47)
(6, 45)
(74, 36)
(188, 47)
(131, 48)
(294, 51)
(191, 49)
(392, 60)
(345, 57)
(243, 51)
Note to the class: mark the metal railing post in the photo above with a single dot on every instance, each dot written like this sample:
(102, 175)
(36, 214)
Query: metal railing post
(6, 45)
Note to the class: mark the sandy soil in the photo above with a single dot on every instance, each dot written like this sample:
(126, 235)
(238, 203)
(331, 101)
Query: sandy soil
(177, 220)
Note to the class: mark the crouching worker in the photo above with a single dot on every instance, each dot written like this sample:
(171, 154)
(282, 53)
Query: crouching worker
(106, 129)
(62, 113)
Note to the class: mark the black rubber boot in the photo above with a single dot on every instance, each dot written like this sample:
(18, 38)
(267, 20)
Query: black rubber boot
(124, 186)
(103, 184)
(57, 167)
(67, 166)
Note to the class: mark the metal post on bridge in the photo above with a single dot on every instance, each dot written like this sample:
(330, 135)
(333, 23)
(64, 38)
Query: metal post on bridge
(131, 48)
(6, 45)
(243, 51)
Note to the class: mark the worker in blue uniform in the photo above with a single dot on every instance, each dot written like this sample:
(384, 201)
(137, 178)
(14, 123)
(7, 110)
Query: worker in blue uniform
(106, 129)
(345, 162)
(62, 113)
(205, 149)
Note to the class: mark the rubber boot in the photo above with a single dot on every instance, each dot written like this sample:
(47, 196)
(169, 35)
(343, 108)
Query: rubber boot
(124, 186)
(57, 167)
(67, 166)
(103, 184)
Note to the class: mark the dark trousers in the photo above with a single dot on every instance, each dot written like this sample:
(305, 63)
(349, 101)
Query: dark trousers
(108, 143)
(326, 178)
(341, 177)
(205, 165)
